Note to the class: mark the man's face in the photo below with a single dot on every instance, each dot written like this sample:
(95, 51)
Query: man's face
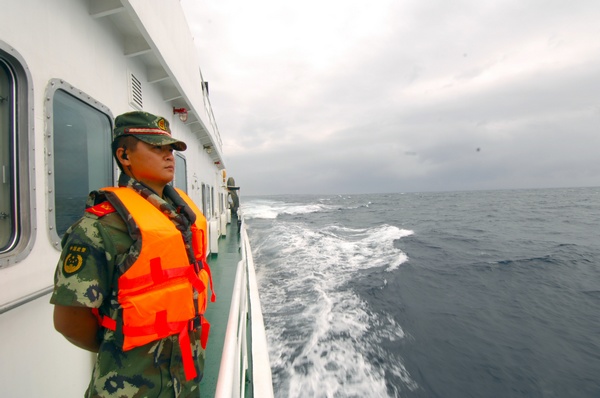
(153, 165)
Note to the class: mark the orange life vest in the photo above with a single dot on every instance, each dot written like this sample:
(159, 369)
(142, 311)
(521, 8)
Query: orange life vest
(156, 293)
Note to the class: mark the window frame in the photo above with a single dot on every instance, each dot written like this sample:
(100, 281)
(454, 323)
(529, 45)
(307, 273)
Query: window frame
(212, 202)
(53, 86)
(176, 182)
(22, 164)
(203, 193)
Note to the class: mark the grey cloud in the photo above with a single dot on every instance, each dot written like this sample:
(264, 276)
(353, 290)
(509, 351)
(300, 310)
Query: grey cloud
(408, 108)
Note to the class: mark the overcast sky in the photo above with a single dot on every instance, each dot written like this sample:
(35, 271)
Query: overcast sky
(332, 96)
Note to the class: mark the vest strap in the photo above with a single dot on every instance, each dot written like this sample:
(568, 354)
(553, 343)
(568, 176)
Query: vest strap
(104, 321)
(213, 295)
(160, 323)
(160, 327)
(157, 275)
(200, 254)
(204, 332)
(109, 323)
(194, 280)
(185, 345)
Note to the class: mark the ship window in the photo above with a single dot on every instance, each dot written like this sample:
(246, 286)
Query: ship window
(205, 200)
(8, 197)
(180, 172)
(16, 156)
(81, 158)
(212, 201)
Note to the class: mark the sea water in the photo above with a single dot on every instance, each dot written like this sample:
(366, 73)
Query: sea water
(451, 294)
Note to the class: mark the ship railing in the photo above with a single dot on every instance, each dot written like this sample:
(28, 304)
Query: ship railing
(25, 299)
(242, 362)
(210, 114)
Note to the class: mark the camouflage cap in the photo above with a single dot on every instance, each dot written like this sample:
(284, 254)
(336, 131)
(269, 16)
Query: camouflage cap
(151, 129)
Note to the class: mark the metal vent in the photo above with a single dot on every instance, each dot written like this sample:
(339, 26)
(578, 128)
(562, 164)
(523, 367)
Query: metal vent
(135, 92)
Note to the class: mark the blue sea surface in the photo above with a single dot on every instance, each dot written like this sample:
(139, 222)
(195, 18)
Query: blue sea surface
(450, 294)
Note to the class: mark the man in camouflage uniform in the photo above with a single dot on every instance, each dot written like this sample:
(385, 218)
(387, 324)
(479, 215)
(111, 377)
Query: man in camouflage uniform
(93, 250)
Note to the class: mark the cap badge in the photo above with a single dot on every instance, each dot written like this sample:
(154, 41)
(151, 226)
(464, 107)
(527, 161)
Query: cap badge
(161, 124)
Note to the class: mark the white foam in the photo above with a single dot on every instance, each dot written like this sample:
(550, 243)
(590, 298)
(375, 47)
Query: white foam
(320, 332)
(260, 209)
(304, 209)
(269, 209)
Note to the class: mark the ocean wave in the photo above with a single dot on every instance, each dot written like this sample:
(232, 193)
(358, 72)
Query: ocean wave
(488, 304)
(272, 209)
(315, 320)
(527, 260)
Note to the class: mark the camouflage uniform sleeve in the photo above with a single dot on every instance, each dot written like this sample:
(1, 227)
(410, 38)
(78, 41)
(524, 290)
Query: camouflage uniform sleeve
(84, 272)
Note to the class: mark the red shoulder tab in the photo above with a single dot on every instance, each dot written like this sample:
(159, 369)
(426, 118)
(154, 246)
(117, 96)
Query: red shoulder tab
(102, 209)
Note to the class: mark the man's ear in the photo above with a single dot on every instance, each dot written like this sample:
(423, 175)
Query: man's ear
(122, 156)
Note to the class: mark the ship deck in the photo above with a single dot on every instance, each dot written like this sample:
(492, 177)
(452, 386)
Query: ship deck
(223, 267)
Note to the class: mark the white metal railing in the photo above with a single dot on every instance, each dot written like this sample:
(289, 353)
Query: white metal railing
(25, 299)
(209, 112)
(245, 304)
(262, 381)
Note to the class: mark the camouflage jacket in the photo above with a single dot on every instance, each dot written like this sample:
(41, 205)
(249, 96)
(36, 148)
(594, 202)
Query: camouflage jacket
(86, 276)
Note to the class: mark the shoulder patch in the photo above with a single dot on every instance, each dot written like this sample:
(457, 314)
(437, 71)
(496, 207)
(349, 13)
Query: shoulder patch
(101, 209)
(75, 258)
